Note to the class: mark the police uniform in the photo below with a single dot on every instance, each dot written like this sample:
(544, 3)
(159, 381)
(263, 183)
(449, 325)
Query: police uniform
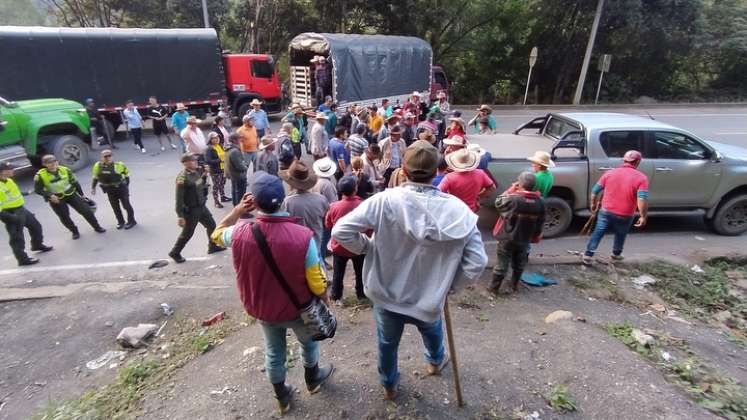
(66, 187)
(114, 179)
(16, 217)
(191, 195)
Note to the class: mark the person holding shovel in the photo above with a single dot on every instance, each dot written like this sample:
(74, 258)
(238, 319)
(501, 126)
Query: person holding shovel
(424, 242)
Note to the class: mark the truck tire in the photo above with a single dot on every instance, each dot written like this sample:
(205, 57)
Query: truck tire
(731, 217)
(243, 109)
(70, 151)
(558, 216)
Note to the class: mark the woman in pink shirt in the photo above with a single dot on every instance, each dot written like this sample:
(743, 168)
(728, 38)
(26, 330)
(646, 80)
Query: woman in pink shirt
(466, 182)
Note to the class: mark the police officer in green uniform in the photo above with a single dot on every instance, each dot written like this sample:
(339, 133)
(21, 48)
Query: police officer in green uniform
(58, 185)
(16, 217)
(114, 178)
(191, 195)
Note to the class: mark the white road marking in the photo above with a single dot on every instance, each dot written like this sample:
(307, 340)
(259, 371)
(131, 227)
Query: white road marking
(87, 266)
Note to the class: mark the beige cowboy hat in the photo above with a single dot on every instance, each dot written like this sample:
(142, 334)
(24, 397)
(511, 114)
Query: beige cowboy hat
(298, 176)
(255, 101)
(474, 147)
(180, 107)
(325, 167)
(463, 160)
(193, 120)
(485, 108)
(455, 141)
(314, 59)
(460, 121)
(542, 158)
(321, 116)
(266, 142)
(416, 93)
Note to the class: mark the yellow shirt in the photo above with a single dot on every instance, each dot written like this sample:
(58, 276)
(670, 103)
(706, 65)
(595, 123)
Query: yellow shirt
(221, 155)
(375, 123)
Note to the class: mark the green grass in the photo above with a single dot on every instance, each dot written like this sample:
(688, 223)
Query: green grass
(561, 400)
(121, 399)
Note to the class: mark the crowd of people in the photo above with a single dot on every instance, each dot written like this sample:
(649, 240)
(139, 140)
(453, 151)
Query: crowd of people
(394, 189)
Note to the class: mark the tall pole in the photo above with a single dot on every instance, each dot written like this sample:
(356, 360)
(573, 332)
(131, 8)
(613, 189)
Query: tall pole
(587, 56)
(599, 87)
(205, 13)
(526, 92)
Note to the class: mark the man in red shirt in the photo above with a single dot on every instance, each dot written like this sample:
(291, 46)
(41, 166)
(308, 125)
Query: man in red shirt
(348, 187)
(466, 182)
(620, 191)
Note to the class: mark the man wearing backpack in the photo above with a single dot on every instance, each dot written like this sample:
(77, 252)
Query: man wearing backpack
(287, 148)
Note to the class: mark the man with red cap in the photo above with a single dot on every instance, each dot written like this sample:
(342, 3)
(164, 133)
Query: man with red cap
(620, 192)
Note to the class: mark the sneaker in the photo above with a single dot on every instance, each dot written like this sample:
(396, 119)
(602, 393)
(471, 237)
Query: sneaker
(173, 146)
(142, 150)
(130, 225)
(120, 226)
(42, 248)
(587, 260)
(435, 370)
(214, 249)
(28, 261)
(163, 149)
(76, 235)
(218, 205)
(99, 230)
(614, 257)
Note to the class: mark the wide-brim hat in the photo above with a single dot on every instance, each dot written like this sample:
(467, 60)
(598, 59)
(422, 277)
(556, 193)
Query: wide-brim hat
(255, 101)
(325, 167)
(193, 120)
(299, 176)
(267, 141)
(542, 158)
(460, 121)
(462, 160)
(485, 108)
(455, 141)
(314, 59)
(180, 107)
(321, 116)
(474, 147)
(416, 93)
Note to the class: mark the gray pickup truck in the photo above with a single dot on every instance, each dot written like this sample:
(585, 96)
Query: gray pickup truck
(686, 175)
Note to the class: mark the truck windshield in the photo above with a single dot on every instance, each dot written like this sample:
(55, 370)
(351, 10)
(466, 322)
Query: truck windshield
(262, 69)
(558, 127)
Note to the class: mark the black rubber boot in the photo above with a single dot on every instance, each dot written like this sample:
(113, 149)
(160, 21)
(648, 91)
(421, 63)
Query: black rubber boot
(515, 282)
(495, 285)
(315, 377)
(283, 394)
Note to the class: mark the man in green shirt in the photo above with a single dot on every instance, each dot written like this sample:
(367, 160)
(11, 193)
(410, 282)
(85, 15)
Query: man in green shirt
(114, 178)
(15, 217)
(541, 163)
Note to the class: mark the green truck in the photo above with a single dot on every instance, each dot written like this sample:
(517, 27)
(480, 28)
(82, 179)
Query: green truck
(30, 129)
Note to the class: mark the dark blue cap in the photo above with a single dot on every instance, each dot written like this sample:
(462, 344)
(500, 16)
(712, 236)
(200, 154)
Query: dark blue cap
(346, 185)
(267, 190)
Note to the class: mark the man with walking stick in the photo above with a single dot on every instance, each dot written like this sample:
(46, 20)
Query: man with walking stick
(424, 242)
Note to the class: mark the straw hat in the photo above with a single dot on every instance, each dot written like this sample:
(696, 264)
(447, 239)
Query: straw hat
(325, 168)
(461, 122)
(542, 158)
(298, 176)
(474, 147)
(321, 116)
(180, 107)
(255, 101)
(193, 120)
(267, 141)
(416, 93)
(485, 108)
(463, 160)
(455, 141)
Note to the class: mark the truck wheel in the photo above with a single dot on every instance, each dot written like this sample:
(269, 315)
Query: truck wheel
(243, 109)
(731, 217)
(70, 151)
(558, 216)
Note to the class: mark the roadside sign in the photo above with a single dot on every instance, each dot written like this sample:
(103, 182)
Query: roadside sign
(604, 63)
(533, 57)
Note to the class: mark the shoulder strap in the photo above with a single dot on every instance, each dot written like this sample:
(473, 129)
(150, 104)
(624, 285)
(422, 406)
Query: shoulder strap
(259, 237)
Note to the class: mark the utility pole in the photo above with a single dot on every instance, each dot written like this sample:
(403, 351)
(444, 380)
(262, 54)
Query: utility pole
(587, 56)
(205, 13)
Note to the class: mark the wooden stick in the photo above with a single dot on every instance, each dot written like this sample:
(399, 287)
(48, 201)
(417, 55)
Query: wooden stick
(452, 353)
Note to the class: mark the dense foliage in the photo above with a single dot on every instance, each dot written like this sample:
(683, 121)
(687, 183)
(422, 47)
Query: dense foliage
(681, 50)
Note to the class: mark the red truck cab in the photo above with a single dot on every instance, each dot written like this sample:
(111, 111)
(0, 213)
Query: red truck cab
(439, 82)
(252, 76)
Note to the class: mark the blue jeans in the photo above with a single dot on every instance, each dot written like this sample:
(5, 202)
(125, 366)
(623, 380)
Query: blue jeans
(260, 133)
(607, 221)
(275, 348)
(251, 157)
(326, 236)
(238, 189)
(389, 328)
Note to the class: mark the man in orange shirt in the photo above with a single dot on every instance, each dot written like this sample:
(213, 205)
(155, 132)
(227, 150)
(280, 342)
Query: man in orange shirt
(248, 141)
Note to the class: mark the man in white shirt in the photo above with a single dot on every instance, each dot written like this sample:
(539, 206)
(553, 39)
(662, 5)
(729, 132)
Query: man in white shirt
(193, 137)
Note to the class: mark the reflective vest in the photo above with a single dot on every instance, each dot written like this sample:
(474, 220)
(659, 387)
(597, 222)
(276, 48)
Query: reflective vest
(10, 195)
(110, 175)
(58, 184)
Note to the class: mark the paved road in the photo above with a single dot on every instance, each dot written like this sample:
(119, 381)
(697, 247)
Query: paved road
(153, 198)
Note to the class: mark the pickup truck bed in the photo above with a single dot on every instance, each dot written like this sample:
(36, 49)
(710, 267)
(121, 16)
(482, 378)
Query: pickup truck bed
(515, 146)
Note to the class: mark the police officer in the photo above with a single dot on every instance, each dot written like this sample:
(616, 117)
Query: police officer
(114, 178)
(58, 185)
(191, 195)
(16, 217)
